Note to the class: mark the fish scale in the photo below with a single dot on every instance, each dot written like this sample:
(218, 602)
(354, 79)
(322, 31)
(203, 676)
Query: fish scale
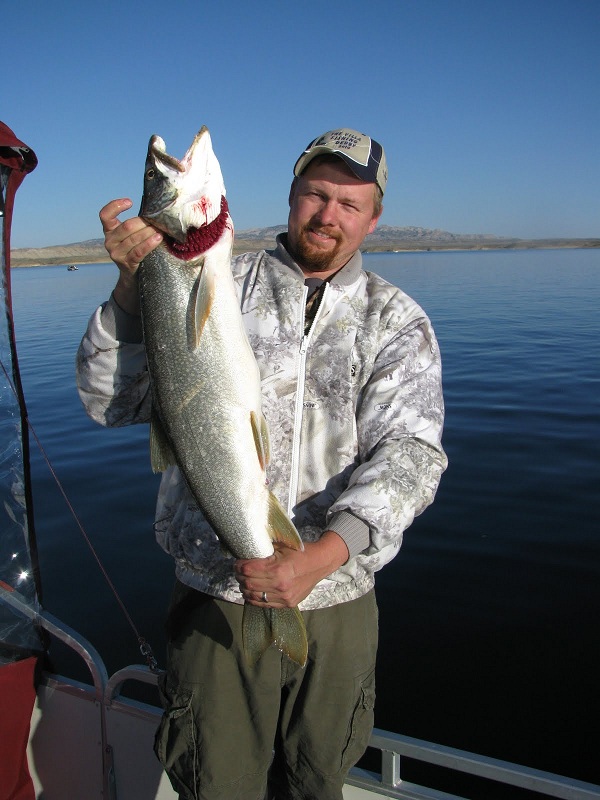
(216, 380)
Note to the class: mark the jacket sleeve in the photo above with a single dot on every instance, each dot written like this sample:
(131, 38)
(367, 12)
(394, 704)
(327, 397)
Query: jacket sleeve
(399, 422)
(111, 370)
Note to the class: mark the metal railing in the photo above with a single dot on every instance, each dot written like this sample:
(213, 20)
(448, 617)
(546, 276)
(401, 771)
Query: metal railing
(394, 747)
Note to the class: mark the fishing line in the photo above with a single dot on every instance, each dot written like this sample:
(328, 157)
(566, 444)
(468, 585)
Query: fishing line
(145, 648)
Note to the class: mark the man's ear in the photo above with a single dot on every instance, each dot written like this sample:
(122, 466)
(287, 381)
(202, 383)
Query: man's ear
(374, 221)
(292, 190)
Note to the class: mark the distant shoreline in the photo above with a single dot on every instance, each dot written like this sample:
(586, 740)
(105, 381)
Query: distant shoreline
(94, 254)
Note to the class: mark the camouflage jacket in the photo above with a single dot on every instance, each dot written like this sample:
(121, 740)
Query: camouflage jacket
(354, 408)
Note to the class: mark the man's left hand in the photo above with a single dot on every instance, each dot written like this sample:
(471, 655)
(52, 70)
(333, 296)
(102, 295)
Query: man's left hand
(288, 576)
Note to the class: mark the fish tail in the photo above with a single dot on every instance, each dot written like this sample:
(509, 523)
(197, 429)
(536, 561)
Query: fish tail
(262, 627)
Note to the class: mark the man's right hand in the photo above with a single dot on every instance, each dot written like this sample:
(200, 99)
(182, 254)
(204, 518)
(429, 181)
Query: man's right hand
(127, 243)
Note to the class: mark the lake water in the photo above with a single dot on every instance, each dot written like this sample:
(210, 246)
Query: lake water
(490, 614)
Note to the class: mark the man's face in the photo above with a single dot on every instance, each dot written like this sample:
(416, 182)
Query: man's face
(331, 212)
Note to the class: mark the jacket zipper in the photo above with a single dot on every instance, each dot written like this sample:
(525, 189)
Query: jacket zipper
(299, 408)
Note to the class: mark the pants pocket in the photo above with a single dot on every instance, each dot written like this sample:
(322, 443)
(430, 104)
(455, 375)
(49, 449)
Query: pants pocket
(175, 743)
(361, 724)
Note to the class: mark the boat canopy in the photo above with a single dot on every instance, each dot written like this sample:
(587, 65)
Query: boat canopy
(19, 573)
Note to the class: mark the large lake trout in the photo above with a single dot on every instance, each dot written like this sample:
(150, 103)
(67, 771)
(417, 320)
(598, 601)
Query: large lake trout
(205, 381)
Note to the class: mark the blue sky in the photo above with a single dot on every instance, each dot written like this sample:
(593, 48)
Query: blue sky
(489, 110)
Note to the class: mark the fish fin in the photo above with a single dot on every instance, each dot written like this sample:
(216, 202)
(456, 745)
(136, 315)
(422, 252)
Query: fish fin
(280, 528)
(289, 633)
(256, 632)
(284, 627)
(201, 306)
(161, 454)
(260, 431)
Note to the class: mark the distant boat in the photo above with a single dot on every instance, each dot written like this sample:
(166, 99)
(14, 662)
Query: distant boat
(72, 267)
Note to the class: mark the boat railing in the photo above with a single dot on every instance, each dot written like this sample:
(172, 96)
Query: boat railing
(395, 749)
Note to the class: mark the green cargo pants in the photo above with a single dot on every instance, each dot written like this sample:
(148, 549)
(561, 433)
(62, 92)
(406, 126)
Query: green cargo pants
(228, 727)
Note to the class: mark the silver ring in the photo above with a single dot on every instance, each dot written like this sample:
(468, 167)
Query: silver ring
(264, 597)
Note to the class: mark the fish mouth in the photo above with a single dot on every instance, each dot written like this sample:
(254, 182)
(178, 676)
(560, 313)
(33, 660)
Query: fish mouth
(158, 149)
(180, 195)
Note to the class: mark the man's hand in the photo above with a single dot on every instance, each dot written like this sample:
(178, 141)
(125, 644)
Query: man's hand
(288, 576)
(127, 243)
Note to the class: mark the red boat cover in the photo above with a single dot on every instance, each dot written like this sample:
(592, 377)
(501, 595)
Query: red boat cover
(17, 696)
(21, 160)
(17, 691)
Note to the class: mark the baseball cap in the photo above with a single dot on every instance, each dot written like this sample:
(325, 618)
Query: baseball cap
(364, 156)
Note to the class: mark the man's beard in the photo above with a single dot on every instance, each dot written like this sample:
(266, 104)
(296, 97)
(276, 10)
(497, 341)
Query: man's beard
(310, 257)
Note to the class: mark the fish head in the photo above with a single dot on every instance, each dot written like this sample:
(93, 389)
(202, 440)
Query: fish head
(179, 195)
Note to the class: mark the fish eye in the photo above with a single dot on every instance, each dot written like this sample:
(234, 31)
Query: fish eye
(150, 173)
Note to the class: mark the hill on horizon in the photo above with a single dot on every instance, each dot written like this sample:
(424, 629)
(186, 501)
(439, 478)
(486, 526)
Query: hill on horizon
(385, 238)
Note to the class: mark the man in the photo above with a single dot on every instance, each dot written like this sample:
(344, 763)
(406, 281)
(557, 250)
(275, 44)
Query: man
(351, 382)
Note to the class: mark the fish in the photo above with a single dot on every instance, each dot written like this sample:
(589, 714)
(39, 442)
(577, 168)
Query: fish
(206, 395)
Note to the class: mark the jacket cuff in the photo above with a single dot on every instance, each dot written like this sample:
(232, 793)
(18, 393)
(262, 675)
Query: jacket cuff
(119, 324)
(353, 531)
